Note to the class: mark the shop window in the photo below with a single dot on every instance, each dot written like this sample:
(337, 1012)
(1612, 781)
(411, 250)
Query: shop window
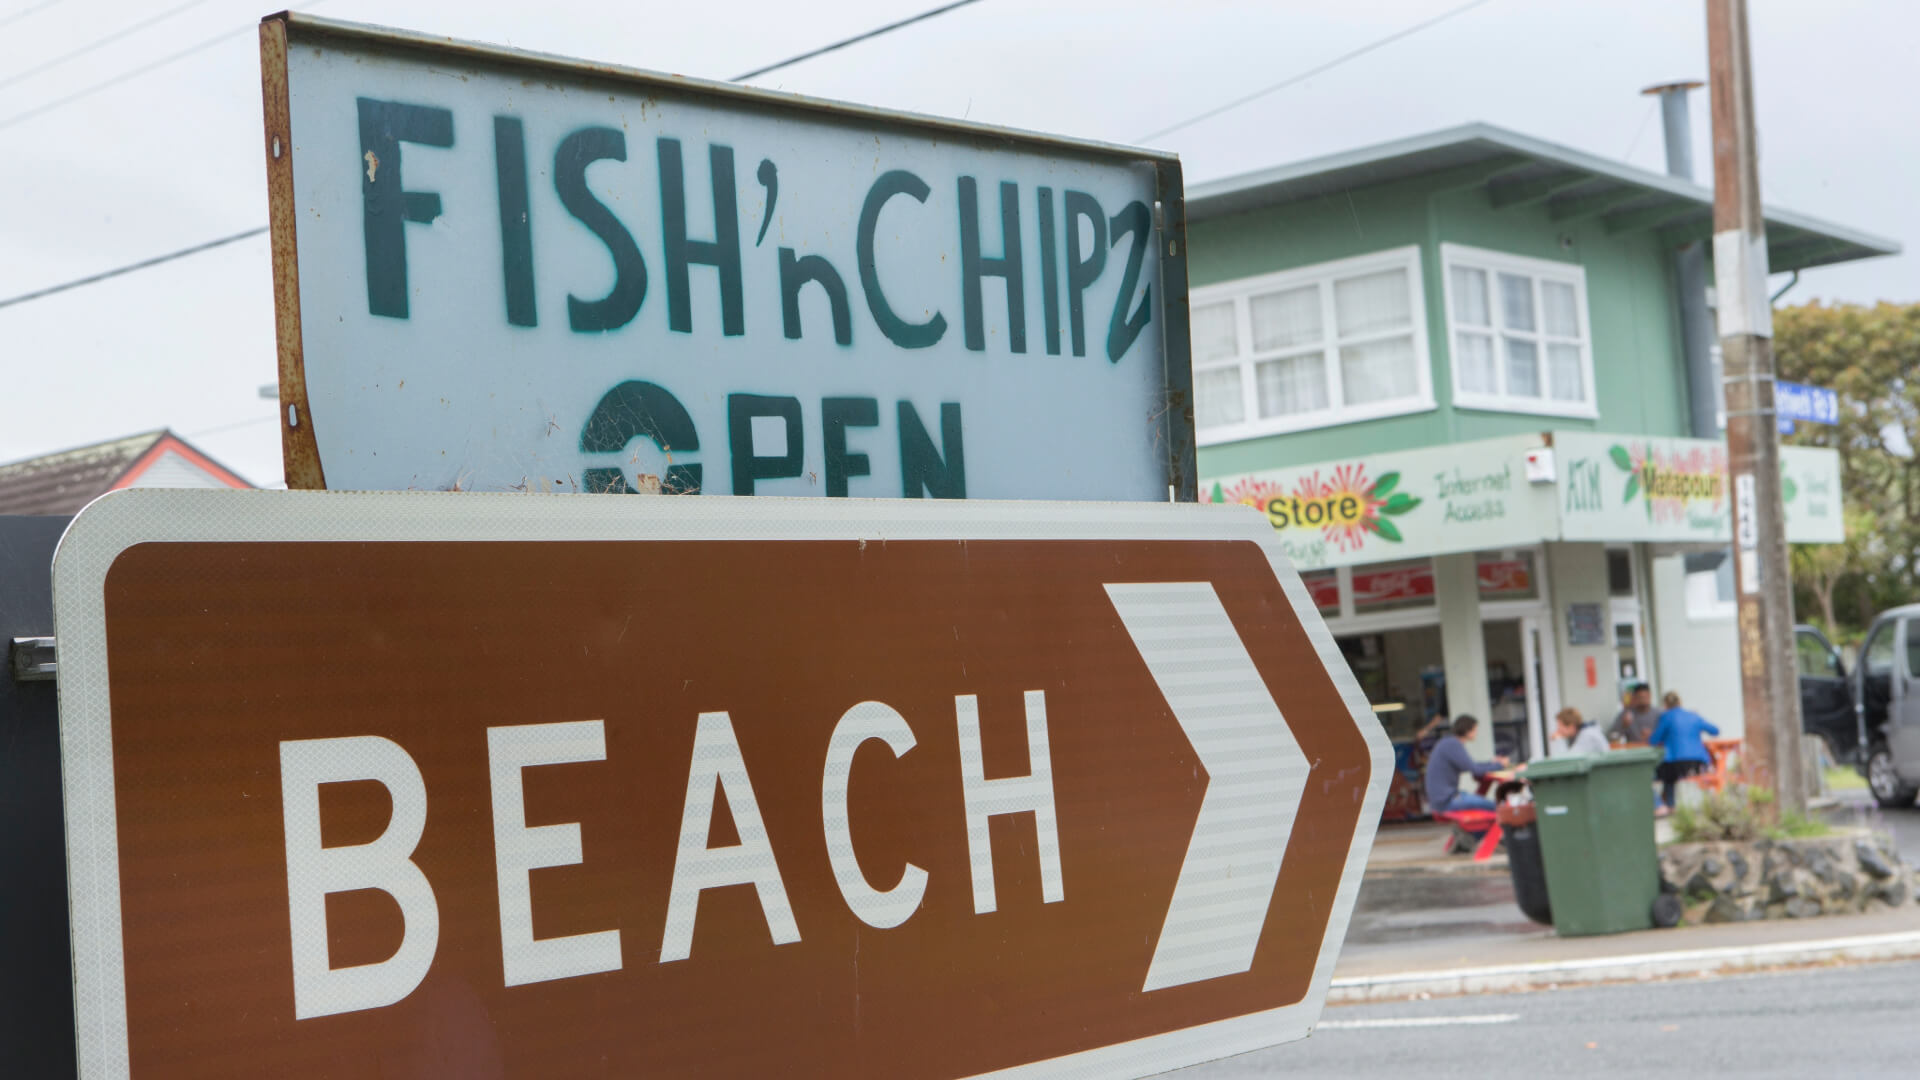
(1518, 328)
(1626, 652)
(1321, 345)
(1620, 573)
(1710, 585)
(1324, 587)
(1507, 575)
(1391, 586)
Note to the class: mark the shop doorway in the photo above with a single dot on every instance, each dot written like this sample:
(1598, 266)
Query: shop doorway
(1402, 673)
(1632, 659)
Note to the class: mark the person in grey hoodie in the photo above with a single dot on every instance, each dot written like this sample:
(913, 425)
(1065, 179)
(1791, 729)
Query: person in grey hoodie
(1578, 735)
(1449, 760)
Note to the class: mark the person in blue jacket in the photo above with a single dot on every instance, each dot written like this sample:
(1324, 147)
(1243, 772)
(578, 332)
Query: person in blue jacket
(1680, 732)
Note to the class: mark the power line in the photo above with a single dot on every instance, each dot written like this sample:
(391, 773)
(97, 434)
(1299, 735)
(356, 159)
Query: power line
(856, 39)
(1639, 131)
(21, 117)
(1305, 75)
(131, 267)
(26, 11)
(100, 42)
(197, 248)
(135, 73)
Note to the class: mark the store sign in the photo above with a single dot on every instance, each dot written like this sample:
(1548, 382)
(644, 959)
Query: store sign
(500, 271)
(1464, 497)
(366, 784)
(1384, 585)
(1615, 487)
(1324, 587)
(1507, 579)
(1376, 587)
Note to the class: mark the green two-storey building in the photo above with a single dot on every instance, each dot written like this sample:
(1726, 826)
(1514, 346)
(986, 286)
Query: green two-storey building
(1453, 372)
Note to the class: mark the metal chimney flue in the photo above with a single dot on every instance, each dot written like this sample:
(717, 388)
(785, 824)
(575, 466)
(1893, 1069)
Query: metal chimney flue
(1690, 270)
(1677, 124)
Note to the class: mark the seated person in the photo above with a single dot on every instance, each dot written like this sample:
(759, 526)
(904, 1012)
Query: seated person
(1578, 735)
(1635, 723)
(1449, 759)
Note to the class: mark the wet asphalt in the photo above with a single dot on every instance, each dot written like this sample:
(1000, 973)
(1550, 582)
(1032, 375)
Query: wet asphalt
(1836, 1022)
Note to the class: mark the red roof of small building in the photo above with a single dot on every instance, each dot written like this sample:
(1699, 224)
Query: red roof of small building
(62, 483)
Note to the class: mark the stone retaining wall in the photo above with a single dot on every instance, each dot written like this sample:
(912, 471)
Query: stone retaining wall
(1724, 881)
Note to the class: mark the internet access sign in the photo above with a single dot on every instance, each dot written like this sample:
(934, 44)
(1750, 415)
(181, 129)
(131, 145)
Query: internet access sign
(468, 785)
(497, 270)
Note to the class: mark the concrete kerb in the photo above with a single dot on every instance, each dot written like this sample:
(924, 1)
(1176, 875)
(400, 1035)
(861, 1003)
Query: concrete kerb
(1643, 967)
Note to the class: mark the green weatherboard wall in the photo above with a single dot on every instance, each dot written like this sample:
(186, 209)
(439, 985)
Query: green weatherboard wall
(1639, 376)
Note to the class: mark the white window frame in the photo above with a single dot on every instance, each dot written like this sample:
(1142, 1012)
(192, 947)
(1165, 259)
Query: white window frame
(1322, 275)
(1492, 262)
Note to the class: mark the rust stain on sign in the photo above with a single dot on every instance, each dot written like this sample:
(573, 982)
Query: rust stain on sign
(298, 448)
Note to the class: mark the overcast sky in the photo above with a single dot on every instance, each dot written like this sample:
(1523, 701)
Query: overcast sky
(173, 157)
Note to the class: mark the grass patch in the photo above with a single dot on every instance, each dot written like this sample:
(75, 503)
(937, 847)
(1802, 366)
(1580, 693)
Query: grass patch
(1798, 826)
(1845, 778)
(1734, 815)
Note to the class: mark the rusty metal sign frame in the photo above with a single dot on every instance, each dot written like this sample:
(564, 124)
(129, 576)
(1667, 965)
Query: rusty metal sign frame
(1174, 425)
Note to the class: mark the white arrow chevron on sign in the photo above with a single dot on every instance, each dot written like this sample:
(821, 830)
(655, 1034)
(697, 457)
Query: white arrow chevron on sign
(1256, 777)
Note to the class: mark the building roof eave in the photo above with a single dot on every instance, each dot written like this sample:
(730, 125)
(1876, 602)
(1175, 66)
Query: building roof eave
(1520, 170)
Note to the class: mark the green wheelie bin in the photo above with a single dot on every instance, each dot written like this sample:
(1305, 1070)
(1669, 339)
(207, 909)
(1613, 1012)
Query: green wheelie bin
(1595, 816)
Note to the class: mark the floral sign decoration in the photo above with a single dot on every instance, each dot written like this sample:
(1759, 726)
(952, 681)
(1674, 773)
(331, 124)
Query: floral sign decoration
(1668, 482)
(1344, 505)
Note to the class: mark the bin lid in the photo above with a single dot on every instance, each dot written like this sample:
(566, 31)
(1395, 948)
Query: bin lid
(1569, 765)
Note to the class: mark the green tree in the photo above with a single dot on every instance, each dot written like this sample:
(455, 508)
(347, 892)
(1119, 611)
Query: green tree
(1819, 569)
(1870, 357)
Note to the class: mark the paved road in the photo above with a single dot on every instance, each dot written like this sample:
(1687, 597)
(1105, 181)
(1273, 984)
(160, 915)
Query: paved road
(1852, 1022)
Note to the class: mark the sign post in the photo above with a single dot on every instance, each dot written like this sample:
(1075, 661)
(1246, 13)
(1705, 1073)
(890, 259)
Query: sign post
(496, 270)
(532, 786)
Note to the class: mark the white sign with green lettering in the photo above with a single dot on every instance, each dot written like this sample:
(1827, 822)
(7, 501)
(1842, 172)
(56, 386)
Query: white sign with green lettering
(1441, 499)
(498, 270)
(1616, 487)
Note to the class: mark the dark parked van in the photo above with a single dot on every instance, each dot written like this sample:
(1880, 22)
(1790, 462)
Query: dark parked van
(1886, 700)
(1826, 695)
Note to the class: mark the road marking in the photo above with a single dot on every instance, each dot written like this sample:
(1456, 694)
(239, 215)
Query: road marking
(1419, 1021)
(1256, 776)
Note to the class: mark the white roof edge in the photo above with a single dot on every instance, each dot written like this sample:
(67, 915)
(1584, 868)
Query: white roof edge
(1526, 145)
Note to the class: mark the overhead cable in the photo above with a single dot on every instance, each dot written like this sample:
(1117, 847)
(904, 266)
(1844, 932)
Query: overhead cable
(131, 267)
(9, 20)
(197, 248)
(1322, 69)
(99, 43)
(857, 38)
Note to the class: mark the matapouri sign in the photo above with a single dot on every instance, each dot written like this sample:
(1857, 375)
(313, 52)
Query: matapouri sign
(1617, 487)
(498, 270)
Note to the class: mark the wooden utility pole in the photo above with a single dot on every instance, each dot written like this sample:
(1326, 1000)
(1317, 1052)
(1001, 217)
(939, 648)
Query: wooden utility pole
(1770, 692)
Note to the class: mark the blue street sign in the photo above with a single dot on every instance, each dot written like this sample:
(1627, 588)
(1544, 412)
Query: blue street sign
(1798, 401)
